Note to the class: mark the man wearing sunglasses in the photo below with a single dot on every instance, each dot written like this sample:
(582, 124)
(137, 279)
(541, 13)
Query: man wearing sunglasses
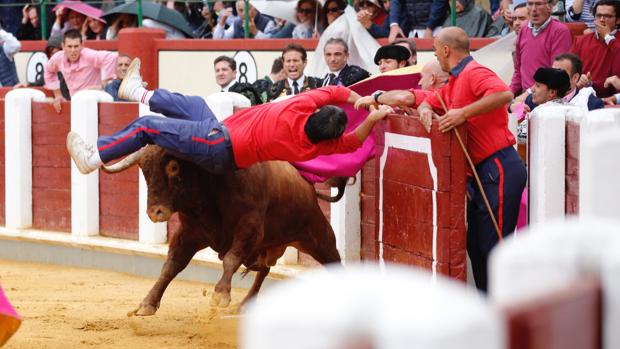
(336, 54)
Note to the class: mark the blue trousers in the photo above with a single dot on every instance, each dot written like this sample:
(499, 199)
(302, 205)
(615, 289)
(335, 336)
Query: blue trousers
(190, 131)
(503, 176)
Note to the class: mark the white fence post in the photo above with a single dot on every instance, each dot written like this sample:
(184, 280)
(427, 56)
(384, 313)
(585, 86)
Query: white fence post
(85, 188)
(345, 219)
(547, 161)
(599, 164)
(18, 156)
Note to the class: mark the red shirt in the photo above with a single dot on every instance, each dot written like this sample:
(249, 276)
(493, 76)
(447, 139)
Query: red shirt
(599, 59)
(488, 132)
(275, 131)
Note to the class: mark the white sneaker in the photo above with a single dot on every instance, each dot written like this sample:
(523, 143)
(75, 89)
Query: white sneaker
(132, 83)
(80, 152)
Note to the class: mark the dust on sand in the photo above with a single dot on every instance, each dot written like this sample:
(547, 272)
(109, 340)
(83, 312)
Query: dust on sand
(65, 307)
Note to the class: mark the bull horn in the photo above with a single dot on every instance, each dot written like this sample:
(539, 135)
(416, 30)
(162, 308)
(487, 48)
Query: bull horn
(126, 163)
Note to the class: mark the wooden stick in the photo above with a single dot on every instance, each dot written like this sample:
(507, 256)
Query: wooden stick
(473, 169)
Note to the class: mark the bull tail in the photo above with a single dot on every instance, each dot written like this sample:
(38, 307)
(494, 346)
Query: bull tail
(338, 182)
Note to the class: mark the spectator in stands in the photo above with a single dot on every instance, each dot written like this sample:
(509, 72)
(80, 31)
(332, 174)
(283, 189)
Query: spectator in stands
(520, 17)
(307, 13)
(538, 44)
(67, 19)
(416, 18)
(471, 18)
(226, 75)
(31, 27)
(225, 72)
(391, 57)
(122, 64)
(336, 54)
(9, 47)
(600, 50)
(295, 58)
(54, 44)
(259, 25)
(81, 67)
(123, 20)
(94, 29)
(409, 45)
(503, 24)
(581, 97)
(332, 9)
(263, 86)
(225, 24)
(433, 77)
(373, 16)
(613, 81)
(550, 86)
(205, 30)
(580, 11)
(10, 15)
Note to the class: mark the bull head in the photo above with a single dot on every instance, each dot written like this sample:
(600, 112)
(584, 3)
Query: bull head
(164, 178)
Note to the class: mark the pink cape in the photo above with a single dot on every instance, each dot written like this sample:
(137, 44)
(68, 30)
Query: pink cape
(9, 319)
(323, 167)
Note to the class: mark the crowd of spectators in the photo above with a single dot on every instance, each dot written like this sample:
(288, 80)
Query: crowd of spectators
(390, 19)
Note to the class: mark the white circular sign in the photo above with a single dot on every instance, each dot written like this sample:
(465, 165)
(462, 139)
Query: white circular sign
(246, 67)
(34, 69)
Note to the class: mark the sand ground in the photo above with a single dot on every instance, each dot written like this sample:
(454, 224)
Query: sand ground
(65, 307)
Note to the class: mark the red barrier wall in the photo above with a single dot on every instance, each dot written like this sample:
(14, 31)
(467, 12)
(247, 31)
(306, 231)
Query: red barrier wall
(51, 168)
(408, 205)
(572, 168)
(570, 318)
(118, 193)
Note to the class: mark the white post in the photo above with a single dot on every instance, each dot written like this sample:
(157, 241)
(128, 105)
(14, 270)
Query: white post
(148, 232)
(547, 157)
(345, 218)
(18, 156)
(599, 163)
(610, 277)
(85, 188)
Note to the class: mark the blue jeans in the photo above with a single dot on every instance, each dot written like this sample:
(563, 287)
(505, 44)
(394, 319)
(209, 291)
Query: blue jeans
(189, 131)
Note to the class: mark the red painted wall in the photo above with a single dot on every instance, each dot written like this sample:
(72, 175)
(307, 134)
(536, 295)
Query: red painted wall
(118, 193)
(407, 200)
(572, 168)
(51, 168)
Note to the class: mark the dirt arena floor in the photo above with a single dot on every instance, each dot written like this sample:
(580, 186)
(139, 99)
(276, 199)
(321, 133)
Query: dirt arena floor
(65, 307)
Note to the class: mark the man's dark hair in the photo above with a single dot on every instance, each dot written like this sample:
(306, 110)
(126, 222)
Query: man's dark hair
(614, 3)
(329, 122)
(340, 42)
(231, 62)
(72, 34)
(575, 62)
(277, 66)
(523, 4)
(298, 48)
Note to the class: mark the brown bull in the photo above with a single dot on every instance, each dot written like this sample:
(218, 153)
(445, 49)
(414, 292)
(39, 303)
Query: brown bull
(249, 217)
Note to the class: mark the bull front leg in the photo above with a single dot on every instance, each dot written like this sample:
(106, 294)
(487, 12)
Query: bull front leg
(180, 254)
(244, 238)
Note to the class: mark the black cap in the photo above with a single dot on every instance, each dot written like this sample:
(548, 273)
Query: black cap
(555, 79)
(396, 52)
(54, 41)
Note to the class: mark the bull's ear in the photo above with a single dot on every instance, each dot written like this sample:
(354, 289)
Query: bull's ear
(173, 168)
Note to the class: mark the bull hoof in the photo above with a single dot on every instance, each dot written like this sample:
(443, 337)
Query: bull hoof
(220, 300)
(143, 310)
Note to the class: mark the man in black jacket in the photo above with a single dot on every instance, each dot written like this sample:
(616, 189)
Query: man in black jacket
(336, 54)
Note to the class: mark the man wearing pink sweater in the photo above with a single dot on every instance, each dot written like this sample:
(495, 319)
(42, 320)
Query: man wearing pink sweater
(537, 44)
